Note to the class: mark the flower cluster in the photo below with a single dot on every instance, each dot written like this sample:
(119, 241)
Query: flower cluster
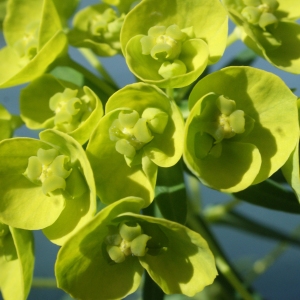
(105, 178)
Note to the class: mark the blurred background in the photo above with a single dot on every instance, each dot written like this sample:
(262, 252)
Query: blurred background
(279, 281)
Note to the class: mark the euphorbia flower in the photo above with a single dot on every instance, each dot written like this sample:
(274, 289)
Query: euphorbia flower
(97, 27)
(142, 129)
(16, 262)
(268, 27)
(50, 103)
(46, 184)
(240, 129)
(106, 258)
(171, 49)
(34, 40)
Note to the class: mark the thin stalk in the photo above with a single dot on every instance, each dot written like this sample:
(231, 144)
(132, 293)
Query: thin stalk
(214, 213)
(261, 265)
(96, 64)
(234, 36)
(44, 283)
(170, 92)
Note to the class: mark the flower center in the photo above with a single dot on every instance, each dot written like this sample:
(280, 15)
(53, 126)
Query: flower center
(164, 45)
(48, 169)
(260, 12)
(131, 132)
(27, 46)
(70, 110)
(106, 27)
(128, 239)
(218, 120)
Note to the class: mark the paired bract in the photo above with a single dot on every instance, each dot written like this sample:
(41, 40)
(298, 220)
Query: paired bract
(242, 128)
(269, 28)
(34, 37)
(142, 129)
(46, 184)
(106, 258)
(173, 43)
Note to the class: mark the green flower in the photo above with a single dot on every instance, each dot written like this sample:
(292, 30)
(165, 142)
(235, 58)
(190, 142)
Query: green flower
(49, 103)
(8, 123)
(142, 129)
(106, 258)
(34, 38)
(46, 184)
(268, 27)
(172, 49)
(97, 27)
(240, 130)
(16, 262)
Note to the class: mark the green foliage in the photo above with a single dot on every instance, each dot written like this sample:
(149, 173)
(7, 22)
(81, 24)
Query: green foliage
(114, 177)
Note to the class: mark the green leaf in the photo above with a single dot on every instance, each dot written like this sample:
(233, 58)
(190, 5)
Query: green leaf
(68, 74)
(171, 194)
(271, 195)
(17, 262)
(241, 222)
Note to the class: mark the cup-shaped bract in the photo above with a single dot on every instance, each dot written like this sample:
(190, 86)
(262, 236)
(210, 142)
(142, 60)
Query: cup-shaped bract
(242, 127)
(34, 37)
(142, 129)
(97, 27)
(174, 41)
(50, 103)
(8, 123)
(46, 184)
(268, 27)
(16, 262)
(106, 258)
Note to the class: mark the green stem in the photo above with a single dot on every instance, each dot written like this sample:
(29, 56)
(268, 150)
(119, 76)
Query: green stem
(151, 290)
(102, 85)
(234, 36)
(95, 62)
(261, 265)
(48, 283)
(214, 213)
(169, 92)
